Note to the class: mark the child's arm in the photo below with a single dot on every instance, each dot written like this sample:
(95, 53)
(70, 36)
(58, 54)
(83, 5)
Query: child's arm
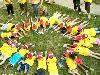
(18, 67)
(4, 60)
(88, 67)
(22, 21)
(41, 1)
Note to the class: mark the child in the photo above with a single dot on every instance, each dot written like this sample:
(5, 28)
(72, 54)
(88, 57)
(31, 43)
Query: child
(87, 7)
(25, 65)
(41, 64)
(7, 51)
(51, 62)
(70, 60)
(23, 6)
(86, 52)
(61, 63)
(34, 25)
(21, 53)
(35, 4)
(9, 6)
(42, 10)
(82, 65)
(27, 25)
(21, 66)
(77, 5)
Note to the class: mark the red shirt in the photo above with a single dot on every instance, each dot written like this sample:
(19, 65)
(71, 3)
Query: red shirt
(78, 38)
(17, 26)
(26, 24)
(34, 26)
(69, 28)
(15, 34)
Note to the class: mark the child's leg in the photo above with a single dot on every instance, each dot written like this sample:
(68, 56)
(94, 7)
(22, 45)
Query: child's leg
(11, 8)
(35, 9)
(75, 6)
(8, 9)
(4, 59)
(94, 56)
(71, 72)
(95, 53)
(86, 71)
(21, 7)
(1, 57)
(76, 72)
(78, 5)
(88, 67)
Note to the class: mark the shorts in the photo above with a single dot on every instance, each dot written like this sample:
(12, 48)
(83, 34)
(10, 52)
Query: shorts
(87, 6)
(27, 67)
(15, 58)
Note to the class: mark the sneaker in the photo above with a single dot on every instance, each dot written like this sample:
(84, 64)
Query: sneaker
(79, 12)
(35, 17)
(89, 16)
(8, 15)
(22, 13)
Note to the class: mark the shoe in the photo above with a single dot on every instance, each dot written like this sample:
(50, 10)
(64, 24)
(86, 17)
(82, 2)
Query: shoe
(89, 16)
(79, 12)
(35, 17)
(13, 14)
(22, 13)
(8, 15)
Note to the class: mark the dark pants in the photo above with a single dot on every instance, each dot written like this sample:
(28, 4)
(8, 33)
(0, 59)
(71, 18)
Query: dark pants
(23, 6)
(40, 72)
(87, 6)
(10, 9)
(35, 9)
(77, 5)
(97, 30)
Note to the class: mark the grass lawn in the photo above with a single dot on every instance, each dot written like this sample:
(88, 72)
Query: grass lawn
(96, 1)
(52, 41)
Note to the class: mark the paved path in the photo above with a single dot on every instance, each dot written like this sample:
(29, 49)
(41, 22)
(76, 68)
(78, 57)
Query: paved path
(95, 9)
(2, 4)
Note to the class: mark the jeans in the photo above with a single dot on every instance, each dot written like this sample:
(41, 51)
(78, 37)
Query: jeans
(23, 6)
(10, 9)
(40, 72)
(35, 9)
(97, 30)
(77, 5)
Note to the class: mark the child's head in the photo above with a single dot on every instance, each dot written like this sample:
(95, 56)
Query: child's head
(50, 54)
(40, 55)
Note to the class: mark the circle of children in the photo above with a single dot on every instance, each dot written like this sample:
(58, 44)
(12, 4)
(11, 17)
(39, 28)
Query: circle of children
(14, 52)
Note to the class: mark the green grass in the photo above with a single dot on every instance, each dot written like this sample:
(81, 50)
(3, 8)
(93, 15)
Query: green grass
(52, 41)
(96, 1)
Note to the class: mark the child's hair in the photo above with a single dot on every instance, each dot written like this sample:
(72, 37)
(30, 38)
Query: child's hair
(72, 56)
(12, 27)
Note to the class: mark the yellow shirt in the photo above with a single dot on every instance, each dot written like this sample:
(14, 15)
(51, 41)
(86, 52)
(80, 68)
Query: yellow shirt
(88, 1)
(44, 20)
(7, 34)
(7, 50)
(22, 52)
(52, 67)
(22, 1)
(42, 63)
(8, 1)
(28, 28)
(71, 63)
(49, 60)
(82, 50)
(30, 61)
(52, 20)
(9, 26)
(35, 1)
(74, 30)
